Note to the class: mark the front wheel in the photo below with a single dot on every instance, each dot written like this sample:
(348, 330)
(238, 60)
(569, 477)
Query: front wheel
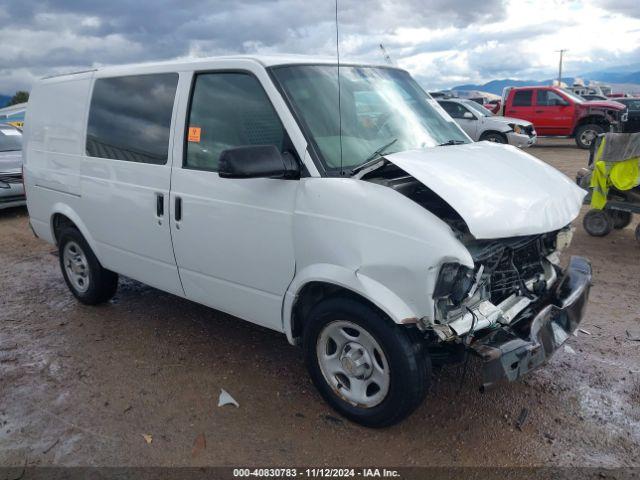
(368, 369)
(494, 137)
(586, 134)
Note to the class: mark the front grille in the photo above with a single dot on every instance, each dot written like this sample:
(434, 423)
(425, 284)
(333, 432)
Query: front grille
(510, 266)
(11, 177)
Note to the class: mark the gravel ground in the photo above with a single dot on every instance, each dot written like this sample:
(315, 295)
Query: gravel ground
(82, 385)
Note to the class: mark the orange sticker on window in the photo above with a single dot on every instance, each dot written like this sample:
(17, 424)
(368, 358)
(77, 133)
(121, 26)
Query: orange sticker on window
(194, 134)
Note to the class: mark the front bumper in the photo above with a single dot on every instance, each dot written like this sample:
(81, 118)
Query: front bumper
(521, 140)
(511, 351)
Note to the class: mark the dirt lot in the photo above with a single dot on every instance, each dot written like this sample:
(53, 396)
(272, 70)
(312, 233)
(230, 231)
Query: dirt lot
(81, 385)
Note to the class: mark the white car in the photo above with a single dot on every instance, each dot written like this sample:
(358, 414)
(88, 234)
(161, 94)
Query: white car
(481, 124)
(11, 188)
(376, 235)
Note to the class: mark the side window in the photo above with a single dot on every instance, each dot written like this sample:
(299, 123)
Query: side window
(228, 110)
(454, 109)
(522, 98)
(130, 117)
(549, 98)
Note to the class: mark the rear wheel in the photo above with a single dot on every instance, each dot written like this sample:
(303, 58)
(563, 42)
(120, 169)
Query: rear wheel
(621, 219)
(89, 282)
(367, 368)
(494, 137)
(586, 134)
(597, 223)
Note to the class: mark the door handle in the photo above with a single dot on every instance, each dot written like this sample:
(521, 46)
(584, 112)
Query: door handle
(539, 111)
(160, 204)
(178, 209)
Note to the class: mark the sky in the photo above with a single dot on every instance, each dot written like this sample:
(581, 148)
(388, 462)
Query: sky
(441, 42)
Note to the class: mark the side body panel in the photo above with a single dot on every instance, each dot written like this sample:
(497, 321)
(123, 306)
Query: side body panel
(120, 208)
(373, 241)
(54, 142)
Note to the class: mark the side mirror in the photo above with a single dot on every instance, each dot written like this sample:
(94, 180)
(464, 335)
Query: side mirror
(468, 116)
(257, 161)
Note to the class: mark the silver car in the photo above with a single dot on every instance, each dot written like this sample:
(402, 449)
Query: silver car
(480, 124)
(11, 187)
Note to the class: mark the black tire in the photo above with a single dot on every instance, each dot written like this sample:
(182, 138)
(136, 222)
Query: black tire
(598, 223)
(586, 134)
(409, 366)
(621, 219)
(101, 284)
(494, 137)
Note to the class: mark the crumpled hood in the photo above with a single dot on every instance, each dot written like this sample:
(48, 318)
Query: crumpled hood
(517, 121)
(498, 190)
(610, 104)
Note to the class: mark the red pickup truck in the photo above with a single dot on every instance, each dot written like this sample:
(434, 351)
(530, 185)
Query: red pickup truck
(558, 112)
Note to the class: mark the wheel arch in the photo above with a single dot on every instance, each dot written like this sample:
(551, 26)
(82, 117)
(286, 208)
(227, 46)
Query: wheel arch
(62, 216)
(594, 119)
(318, 282)
(492, 131)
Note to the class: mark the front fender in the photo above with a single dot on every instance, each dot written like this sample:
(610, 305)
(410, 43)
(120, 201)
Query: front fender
(373, 241)
(383, 298)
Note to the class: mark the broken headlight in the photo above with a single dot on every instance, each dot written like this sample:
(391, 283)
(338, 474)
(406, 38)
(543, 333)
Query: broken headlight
(454, 282)
(515, 127)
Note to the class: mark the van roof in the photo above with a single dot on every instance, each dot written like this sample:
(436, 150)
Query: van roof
(264, 60)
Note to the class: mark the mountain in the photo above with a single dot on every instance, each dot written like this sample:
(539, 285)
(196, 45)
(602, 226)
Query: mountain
(4, 99)
(496, 86)
(625, 74)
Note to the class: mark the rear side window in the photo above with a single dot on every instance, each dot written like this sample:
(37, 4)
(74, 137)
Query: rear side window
(130, 117)
(522, 98)
(455, 110)
(229, 110)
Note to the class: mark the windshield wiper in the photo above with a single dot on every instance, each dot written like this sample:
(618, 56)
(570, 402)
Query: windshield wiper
(373, 158)
(380, 151)
(451, 142)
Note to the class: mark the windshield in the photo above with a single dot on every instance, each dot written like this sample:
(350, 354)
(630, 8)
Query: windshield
(576, 98)
(383, 111)
(477, 108)
(10, 139)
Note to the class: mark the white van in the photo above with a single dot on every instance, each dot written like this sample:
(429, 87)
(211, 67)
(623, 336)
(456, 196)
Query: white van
(355, 217)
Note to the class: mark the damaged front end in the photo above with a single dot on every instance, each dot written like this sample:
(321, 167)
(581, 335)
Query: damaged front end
(514, 305)
(520, 306)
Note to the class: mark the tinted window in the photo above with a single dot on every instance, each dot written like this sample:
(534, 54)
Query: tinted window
(549, 98)
(229, 110)
(10, 139)
(454, 109)
(522, 98)
(130, 117)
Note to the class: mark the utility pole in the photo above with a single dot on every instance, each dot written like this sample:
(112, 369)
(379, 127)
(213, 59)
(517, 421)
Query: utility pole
(560, 66)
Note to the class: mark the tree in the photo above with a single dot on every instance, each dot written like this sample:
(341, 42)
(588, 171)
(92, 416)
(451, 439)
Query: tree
(21, 96)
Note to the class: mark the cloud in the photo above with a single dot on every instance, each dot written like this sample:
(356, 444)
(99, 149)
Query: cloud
(440, 41)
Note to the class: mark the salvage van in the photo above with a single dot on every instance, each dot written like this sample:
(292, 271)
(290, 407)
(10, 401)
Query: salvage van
(382, 241)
